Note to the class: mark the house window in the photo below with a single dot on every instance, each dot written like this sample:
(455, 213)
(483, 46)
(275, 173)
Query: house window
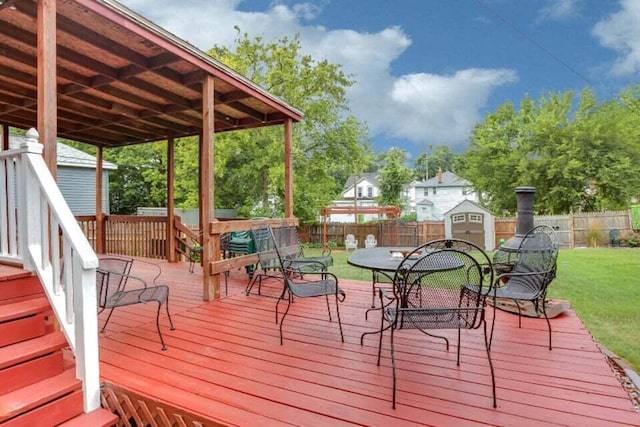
(434, 191)
(457, 218)
(464, 191)
(370, 192)
(475, 218)
(359, 192)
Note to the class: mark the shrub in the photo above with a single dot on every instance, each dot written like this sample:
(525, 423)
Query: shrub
(632, 240)
(594, 237)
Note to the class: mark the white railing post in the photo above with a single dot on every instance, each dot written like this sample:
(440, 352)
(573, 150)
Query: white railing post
(86, 333)
(29, 204)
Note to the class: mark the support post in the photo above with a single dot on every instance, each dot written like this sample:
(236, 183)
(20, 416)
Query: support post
(5, 137)
(171, 229)
(47, 82)
(100, 237)
(288, 168)
(210, 284)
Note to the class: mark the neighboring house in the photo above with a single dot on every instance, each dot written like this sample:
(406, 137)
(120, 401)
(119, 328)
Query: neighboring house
(76, 178)
(359, 190)
(431, 199)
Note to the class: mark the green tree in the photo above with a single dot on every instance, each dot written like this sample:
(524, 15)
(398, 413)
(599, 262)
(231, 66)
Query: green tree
(576, 154)
(140, 179)
(329, 144)
(394, 175)
(440, 158)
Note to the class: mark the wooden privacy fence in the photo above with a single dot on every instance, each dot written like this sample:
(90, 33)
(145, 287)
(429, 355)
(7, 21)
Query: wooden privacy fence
(573, 230)
(146, 236)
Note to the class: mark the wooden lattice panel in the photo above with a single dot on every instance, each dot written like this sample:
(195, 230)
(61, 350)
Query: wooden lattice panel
(134, 410)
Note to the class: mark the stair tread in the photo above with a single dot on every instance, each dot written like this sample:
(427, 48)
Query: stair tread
(9, 272)
(26, 350)
(23, 308)
(97, 418)
(31, 396)
(19, 288)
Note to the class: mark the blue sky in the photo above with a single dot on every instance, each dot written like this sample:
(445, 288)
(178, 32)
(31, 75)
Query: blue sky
(428, 70)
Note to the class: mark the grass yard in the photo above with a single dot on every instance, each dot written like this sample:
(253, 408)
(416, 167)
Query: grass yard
(602, 285)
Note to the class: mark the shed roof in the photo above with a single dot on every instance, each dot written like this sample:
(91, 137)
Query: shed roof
(122, 79)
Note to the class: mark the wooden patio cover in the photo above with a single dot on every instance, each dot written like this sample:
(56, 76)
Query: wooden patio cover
(94, 71)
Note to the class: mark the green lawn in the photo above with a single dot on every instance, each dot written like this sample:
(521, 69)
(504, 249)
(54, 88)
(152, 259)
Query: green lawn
(602, 285)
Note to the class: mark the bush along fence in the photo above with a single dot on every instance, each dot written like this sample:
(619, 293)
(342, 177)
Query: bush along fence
(585, 229)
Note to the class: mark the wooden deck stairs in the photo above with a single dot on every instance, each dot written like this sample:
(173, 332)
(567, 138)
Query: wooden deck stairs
(37, 371)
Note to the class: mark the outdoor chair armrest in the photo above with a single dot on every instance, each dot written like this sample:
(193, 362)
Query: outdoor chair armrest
(128, 277)
(156, 268)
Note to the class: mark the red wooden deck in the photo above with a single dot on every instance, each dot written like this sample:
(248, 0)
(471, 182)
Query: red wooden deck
(225, 363)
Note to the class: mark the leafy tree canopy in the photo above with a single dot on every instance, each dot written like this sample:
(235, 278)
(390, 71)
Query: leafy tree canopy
(427, 164)
(329, 144)
(578, 154)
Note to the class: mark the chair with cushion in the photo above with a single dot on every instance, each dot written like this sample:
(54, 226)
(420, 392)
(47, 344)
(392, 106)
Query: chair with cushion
(437, 289)
(296, 285)
(370, 241)
(116, 287)
(287, 241)
(350, 242)
(534, 269)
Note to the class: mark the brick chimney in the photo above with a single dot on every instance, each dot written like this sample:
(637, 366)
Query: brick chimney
(439, 175)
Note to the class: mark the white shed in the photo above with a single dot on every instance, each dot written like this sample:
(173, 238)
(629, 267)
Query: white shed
(470, 221)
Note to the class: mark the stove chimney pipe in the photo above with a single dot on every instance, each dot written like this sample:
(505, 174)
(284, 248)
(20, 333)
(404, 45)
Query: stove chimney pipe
(524, 221)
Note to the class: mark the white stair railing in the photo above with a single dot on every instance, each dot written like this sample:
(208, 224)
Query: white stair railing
(39, 230)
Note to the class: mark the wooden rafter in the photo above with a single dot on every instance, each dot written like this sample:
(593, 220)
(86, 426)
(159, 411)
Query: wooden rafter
(120, 85)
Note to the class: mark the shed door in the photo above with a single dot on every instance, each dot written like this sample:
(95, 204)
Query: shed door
(468, 226)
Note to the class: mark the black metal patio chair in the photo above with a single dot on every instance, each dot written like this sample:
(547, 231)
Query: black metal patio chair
(113, 276)
(287, 240)
(443, 288)
(299, 281)
(533, 271)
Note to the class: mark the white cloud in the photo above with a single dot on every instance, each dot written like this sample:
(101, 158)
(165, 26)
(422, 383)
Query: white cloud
(419, 107)
(560, 10)
(620, 31)
(442, 109)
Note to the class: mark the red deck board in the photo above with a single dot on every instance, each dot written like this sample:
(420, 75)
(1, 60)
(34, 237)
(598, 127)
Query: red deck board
(227, 352)
(225, 363)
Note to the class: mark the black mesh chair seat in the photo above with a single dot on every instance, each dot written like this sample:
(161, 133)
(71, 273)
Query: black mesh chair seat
(518, 289)
(315, 288)
(112, 278)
